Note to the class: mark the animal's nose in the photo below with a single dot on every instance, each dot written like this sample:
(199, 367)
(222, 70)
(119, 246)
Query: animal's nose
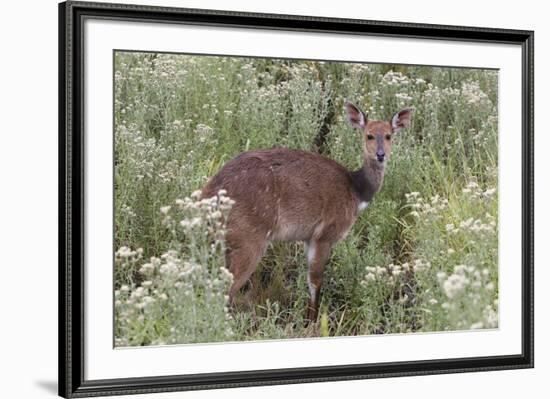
(380, 155)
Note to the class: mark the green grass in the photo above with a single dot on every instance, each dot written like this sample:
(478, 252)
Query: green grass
(422, 257)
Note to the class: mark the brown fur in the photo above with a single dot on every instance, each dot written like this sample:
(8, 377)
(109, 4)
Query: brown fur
(293, 195)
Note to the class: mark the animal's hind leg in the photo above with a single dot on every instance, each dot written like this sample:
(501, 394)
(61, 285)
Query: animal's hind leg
(243, 257)
(318, 254)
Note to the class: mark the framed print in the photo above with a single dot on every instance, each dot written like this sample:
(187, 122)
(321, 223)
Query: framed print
(251, 199)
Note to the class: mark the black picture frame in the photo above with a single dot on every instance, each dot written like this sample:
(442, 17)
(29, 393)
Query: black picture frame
(71, 200)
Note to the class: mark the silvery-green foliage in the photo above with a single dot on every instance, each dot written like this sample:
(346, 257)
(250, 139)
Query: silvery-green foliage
(421, 257)
(181, 296)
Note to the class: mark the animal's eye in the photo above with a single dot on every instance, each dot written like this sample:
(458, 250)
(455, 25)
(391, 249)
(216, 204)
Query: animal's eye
(370, 137)
(388, 136)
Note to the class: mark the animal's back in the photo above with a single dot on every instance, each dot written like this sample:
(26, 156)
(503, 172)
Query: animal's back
(286, 193)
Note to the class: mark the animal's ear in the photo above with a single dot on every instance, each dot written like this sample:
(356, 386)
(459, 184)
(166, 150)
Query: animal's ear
(401, 119)
(356, 117)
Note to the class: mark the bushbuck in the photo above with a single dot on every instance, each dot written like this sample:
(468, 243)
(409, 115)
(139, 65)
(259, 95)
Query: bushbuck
(292, 195)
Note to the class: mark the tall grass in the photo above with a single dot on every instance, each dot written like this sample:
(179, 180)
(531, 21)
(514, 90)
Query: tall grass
(422, 257)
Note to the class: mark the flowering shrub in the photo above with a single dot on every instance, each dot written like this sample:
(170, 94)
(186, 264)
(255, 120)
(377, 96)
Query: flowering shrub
(460, 238)
(181, 286)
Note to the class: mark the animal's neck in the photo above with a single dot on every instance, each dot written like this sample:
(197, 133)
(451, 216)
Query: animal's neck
(368, 179)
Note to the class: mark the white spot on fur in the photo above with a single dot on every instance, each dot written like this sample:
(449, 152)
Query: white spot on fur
(362, 205)
(312, 289)
(310, 253)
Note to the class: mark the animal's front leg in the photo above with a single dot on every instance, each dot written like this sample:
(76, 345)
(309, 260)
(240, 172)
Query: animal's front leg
(318, 253)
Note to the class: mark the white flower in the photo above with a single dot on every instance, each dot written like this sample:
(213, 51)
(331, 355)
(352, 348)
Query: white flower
(226, 274)
(186, 224)
(420, 265)
(147, 268)
(169, 268)
(370, 277)
(148, 300)
(197, 221)
(454, 285)
(216, 215)
(125, 252)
